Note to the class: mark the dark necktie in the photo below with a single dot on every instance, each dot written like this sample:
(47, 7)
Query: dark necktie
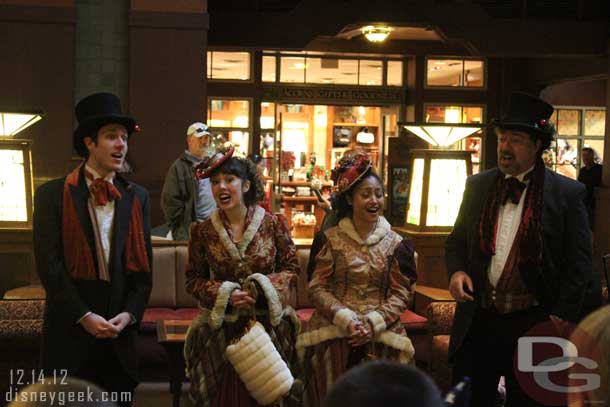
(102, 191)
(513, 189)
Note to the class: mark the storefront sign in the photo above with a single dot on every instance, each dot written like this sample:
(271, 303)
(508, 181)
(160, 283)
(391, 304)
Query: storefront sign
(333, 95)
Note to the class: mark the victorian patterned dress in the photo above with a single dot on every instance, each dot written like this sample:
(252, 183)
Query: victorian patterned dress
(265, 259)
(371, 281)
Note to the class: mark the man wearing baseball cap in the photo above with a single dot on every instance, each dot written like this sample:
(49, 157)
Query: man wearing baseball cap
(185, 199)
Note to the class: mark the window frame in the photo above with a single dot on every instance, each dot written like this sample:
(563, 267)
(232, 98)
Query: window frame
(250, 66)
(249, 129)
(462, 87)
(580, 137)
(280, 54)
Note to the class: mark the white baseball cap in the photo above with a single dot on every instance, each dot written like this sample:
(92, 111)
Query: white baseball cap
(198, 129)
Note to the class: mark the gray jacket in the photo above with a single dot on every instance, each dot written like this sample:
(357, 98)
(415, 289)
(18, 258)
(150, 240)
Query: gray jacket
(179, 197)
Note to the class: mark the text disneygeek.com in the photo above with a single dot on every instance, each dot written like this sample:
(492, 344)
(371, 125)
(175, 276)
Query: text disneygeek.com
(65, 398)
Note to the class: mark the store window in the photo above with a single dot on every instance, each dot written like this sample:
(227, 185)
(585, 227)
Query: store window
(460, 114)
(333, 71)
(292, 69)
(577, 127)
(224, 65)
(15, 184)
(371, 73)
(231, 119)
(463, 73)
(269, 63)
(394, 73)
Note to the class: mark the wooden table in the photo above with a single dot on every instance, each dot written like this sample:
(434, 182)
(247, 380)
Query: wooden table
(425, 295)
(171, 334)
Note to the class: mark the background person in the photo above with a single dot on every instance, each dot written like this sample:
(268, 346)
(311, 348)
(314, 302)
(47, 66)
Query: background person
(184, 198)
(591, 176)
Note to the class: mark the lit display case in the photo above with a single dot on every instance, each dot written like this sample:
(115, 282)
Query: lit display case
(437, 184)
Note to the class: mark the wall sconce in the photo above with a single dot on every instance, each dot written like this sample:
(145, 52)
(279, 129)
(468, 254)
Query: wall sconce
(12, 123)
(441, 134)
(376, 33)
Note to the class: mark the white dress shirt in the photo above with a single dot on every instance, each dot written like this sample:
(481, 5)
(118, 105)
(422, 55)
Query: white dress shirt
(104, 215)
(509, 219)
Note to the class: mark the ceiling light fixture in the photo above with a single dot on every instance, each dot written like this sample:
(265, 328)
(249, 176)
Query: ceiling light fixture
(12, 123)
(442, 134)
(376, 33)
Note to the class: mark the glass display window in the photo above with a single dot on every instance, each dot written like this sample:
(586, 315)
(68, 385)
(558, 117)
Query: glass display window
(595, 123)
(269, 65)
(445, 72)
(370, 73)
(568, 122)
(394, 73)
(292, 69)
(228, 113)
(225, 65)
(577, 127)
(267, 120)
(332, 71)
(328, 69)
(230, 118)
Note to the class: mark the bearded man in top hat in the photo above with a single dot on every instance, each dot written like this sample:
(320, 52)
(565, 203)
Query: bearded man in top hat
(519, 254)
(94, 255)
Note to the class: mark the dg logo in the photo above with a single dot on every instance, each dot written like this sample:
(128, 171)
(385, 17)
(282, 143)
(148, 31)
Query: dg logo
(553, 365)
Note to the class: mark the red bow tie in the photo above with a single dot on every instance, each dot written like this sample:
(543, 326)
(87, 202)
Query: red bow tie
(103, 191)
(513, 189)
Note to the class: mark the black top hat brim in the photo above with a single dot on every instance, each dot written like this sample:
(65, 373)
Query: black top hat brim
(94, 123)
(539, 131)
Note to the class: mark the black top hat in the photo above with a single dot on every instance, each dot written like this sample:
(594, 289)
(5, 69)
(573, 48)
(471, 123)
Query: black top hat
(95, 111)
(530, 114)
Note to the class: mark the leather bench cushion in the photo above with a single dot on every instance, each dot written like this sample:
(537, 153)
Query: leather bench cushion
(28, 292)
(183, 299)
(163, 292)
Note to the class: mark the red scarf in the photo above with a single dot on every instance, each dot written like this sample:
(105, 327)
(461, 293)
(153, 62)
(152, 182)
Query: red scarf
(529, 234)
(77, 252)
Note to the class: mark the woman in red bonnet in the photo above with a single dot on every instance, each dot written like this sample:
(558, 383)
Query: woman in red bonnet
(363, 280)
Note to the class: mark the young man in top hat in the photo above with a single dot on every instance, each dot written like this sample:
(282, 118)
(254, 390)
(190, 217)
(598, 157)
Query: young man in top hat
(186, 199)
(94, 255)
(519, 254)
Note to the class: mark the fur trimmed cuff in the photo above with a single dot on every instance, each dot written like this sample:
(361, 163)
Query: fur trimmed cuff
(343, 317)
(271, 295)
(377, 321)
(220, 305)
